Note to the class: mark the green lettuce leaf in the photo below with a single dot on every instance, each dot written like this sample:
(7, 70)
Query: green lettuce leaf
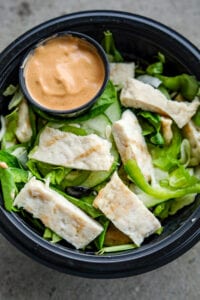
(9, 159)
(167, 156)
(151, 127)
(14, 91)
(108, 97)
(85, 203)
(196, 118)
(51, 236)
(10, 90)
(9, 189)
(9, 138)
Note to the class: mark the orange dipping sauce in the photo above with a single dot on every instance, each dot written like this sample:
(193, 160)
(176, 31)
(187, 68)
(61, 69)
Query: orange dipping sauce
(64, 73)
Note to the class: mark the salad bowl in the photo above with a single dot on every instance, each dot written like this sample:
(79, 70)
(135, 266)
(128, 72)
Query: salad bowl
(138, 39)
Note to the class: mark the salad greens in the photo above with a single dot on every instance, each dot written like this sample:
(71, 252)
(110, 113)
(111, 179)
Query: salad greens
(164, 196)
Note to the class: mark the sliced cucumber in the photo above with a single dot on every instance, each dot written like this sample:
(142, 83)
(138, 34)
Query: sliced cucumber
(113, 112)
(75, 178)
(97, 125)
(97, 177)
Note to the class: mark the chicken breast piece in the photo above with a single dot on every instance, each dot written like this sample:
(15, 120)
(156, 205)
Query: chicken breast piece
(141, 95)
(89, 152)
(131, 144)
(123, 208)
(192, 133)
(166, 125)
(58, 214)
(120, 72)
(23, 130)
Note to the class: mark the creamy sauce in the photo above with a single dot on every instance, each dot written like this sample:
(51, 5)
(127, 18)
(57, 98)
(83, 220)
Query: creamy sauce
(64, 73)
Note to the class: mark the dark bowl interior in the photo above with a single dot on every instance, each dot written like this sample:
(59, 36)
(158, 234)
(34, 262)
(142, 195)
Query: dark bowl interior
(139, 39)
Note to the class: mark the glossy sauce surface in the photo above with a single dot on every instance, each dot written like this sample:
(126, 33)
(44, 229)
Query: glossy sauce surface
(64, 73)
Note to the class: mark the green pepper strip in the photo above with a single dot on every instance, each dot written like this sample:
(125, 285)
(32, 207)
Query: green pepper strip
(160, 193)
(186, 84)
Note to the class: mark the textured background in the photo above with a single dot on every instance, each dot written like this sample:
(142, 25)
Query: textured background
(22, 278)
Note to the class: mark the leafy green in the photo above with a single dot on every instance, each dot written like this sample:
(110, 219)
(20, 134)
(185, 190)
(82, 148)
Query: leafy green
(16, 99)
(167, 156)
(108, 97)
(9, 138)
(8, 186)
(99, 242)
(51, 236)
(160, 194)
(19, 175)
(83, 204)
(32, 166)
(32, 119)
(14, 91)
(196, 118)
(181, 202)
(75, 178)
(109, 46)
(151, 125)
(11, 173)
(10, 90)
(162, 210)
(179, 178)
(3, 127)
(20, 151)
(73, 129)
(41, 170)
(9, 159)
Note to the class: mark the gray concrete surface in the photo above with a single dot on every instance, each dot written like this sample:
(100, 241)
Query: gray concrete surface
(22, 278)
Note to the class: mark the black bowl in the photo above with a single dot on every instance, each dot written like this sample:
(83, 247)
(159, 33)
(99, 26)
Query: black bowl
(67, 112)
(138, 38)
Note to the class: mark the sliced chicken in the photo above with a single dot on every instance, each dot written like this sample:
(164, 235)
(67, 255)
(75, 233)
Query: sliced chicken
(131, 144)
(137, 94)
(89, 152)
(192, 133)
(120, 72)
(166, 125)
(58, 214)
(123, 208)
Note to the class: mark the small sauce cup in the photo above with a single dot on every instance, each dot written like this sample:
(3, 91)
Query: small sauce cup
(64, 74)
